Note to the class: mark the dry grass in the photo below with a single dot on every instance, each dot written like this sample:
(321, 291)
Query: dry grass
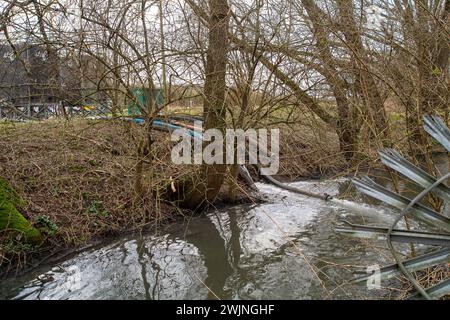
(80, 176)
(426, 278)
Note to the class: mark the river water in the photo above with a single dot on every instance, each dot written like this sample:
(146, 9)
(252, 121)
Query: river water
(285, 248)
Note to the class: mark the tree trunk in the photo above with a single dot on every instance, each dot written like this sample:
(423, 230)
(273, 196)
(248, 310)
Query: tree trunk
(346, 130)
(346, 127)
(207, 185)
(365, 82)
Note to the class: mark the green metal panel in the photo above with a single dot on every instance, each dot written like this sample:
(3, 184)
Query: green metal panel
(143, 95)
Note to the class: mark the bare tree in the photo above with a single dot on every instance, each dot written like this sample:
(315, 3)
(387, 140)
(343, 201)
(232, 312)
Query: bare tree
(208, 186)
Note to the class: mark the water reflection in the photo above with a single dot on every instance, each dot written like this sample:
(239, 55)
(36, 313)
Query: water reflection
(203, 235)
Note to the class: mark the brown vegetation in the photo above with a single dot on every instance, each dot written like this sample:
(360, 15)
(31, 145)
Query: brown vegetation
(80, 176)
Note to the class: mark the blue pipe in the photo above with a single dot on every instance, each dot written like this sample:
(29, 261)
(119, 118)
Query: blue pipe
(171, 127)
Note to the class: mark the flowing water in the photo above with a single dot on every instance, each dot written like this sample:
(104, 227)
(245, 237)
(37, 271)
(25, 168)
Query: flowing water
(285, 248)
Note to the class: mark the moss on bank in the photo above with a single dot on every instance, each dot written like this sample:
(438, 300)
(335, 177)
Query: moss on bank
(12, 221)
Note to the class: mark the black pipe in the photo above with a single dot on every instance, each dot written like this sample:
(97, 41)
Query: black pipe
(282, 185)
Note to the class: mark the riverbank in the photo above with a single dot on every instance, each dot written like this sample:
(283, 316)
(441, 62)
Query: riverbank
(77, 180)
(237, 252)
